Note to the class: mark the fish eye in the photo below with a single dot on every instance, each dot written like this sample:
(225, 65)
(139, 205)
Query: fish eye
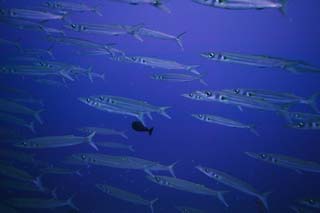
(208, 93)
(101, 98)
(206, 170)
(83, 157)
(237, 91)
(222, 98)
(301, 124)
(200, 116)
(216, 176)
(24, 143)
(158, 179)
(263, 156)
(249, 94)
(211, 55)
(134, 58)
(88, 99)
(73, 25)
(311, 201)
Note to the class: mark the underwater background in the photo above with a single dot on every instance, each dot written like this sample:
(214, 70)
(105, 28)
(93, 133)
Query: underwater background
(181, 139)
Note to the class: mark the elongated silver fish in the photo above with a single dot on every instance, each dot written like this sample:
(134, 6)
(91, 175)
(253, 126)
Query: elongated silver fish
(186, 209)
(11, 119)
(56, 142)
(12, 107)
(187, 186)
(313, 203)
(287, 162)
(40, 203)
(126, 196)
(18, 174)
(299, 209)
(228, 98)
(234, 183)
(71, 7)
(155, 3)
(244, 4)
(276, 97)
(12, 43)
(300, 116)
(103, 131)
(123, 162)
(262, 61)
(83, 43)
(178, 77)
(111, 30)
(19, 186)
(161, 63)
(115, 145)
(305, 125)
(160, 35)
(30, 14)
(224, 122)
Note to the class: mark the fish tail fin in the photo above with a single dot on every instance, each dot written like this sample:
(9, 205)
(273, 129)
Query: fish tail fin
(78, 173)
(164, 113)
(38, 183)
(221, 198)
(71, 204)
(313, 102)
(171, 169)
(37, 116)
(253, 130)
(123, 134)
(283, 7)
(90, 74)
(178, 39)
(193, 69)
(89, 140)
(31, 127)
(150, 131)
(66, 75)
(54, 193)
(263, 199)
(102, 76)
(131, 148)
(140, 117)
(97, 9)
(134, 30)
(152, 203)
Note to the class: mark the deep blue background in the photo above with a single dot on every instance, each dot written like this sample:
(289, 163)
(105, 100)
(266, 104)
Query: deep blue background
(183, 139)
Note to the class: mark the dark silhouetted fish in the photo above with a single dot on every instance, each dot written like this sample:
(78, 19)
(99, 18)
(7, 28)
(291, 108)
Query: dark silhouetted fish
(139, 127)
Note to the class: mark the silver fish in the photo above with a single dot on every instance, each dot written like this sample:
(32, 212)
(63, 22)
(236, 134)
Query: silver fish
(115, 145)
(56, 142)
(178, 77)
(276, 97)
(224, 122)
(300, 116)
(103, 131)
(11, 119)
(244, 4)
(12, 107)
(125, 195)
(111, 30)
(262, 61)
(313, 203)
(155, 3)
(19, 186)
(160, 35)
(287, 162)
(30, 14)
(186, 209)
(71, 7)
(161, 63)
(184, 185)
(40, 203)
(234, 183)
(123, 162)
(305, 125)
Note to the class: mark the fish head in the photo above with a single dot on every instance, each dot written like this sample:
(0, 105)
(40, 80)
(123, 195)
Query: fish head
(104, 188)
(199, 116)
(158, 180)
(75, 27)
(91, 101)
(310, 202)
(194, 96)
(83, 157)
(26, 144)
(212, 173)
(157, 77)
(261, 156)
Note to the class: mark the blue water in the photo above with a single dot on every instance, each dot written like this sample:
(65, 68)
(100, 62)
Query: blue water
(182, 138)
